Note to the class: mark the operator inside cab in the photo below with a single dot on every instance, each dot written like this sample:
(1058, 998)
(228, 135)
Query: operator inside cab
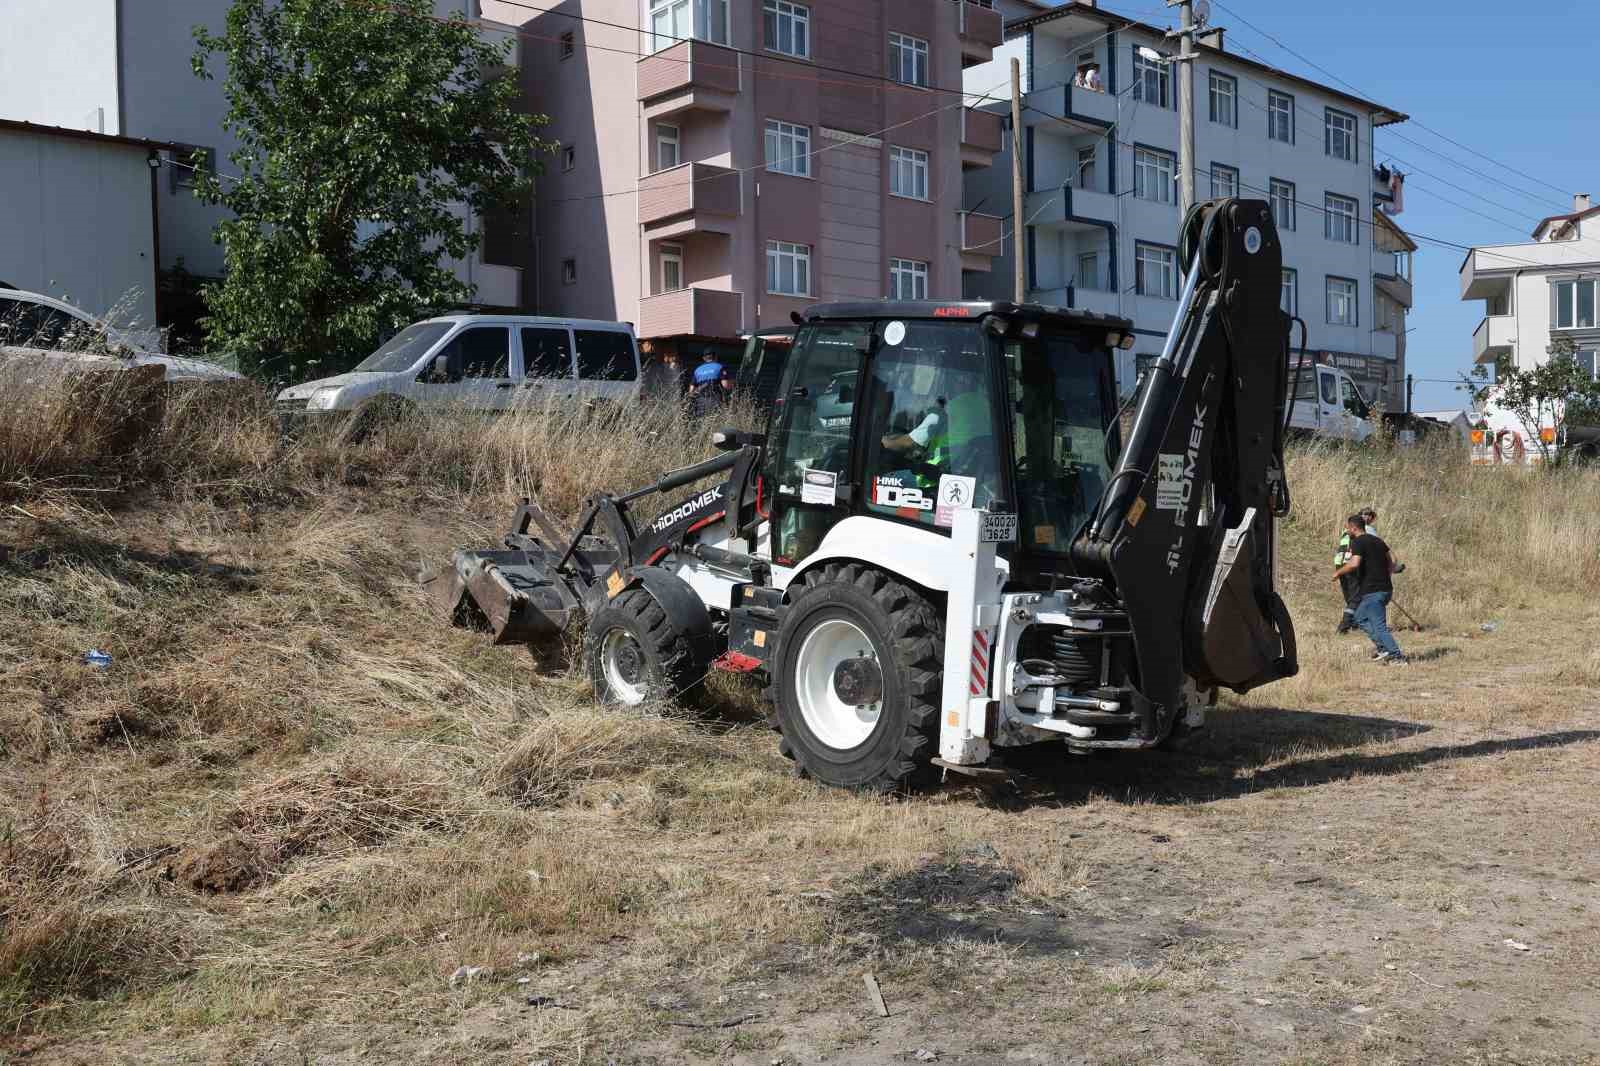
(932, 444)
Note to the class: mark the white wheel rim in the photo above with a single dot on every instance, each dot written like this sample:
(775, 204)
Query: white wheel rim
(622, 662)
(831, 720)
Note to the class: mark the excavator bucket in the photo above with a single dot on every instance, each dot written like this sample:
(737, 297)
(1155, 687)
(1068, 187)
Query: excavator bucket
(1243, 645)
(514, 593)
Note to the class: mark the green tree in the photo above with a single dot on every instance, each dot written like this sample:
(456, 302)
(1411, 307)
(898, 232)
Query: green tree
(1556, 392)
(364, 130)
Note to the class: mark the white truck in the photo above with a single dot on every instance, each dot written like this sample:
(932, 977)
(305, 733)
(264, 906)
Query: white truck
(1326, 403)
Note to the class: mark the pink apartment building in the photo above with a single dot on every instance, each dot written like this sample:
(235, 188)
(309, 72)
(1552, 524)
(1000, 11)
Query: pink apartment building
(726, 162)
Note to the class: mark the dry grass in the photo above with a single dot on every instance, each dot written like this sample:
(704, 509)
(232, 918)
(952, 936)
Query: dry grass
(295, 803)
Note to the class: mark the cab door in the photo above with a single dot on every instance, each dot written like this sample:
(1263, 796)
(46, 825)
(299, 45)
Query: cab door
(472, 371)
(608, 365)
(1329, 415)
(808, 470)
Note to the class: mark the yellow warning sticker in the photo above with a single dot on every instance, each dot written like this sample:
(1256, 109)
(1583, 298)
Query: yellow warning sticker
(953, 718)
(1136, 512)
(761, 638)
(614, 584)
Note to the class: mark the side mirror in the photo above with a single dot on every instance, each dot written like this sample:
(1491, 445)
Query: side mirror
(441, 368)
(731, 440)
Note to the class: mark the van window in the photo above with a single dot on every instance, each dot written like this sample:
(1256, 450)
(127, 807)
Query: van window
(485, 351)
(1353, 401)
(30, 325)
(546, 353)
(605, 355)
(1330, 388)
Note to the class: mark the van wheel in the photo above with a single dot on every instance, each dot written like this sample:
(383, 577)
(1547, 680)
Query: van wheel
(378, 413)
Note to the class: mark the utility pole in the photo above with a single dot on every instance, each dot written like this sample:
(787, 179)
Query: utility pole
(1411, 382)
(1185, 63)
(1019, 280)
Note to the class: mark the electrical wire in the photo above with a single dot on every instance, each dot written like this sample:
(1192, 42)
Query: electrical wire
(1415, 122)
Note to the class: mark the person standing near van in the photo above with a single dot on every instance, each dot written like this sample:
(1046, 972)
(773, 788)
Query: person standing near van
(1372, 564)
(707, 374)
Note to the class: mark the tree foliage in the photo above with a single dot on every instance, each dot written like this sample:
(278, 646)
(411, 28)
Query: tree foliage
(365, 132)
(1555, 393)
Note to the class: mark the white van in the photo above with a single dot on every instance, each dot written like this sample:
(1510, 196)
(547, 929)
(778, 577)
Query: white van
(479, 362)
(1326, 403)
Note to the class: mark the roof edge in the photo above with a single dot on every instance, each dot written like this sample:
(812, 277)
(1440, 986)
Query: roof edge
(18, 126)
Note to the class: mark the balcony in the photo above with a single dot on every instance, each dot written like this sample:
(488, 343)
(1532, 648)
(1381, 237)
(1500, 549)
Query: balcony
(689, 76)
(1385, 344)
(981, 31)
(498, 286)
(1099, 107)
(695, 312)
(1495, 336)
(982, 238)
(691, 198)
(1071, 208)
(980, 138)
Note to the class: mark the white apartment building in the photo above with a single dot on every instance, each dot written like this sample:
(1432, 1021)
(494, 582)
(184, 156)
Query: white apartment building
(1101, 219)
(1534, 293)
(123, 68)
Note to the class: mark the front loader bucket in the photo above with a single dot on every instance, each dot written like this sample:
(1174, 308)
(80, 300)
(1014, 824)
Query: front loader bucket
(514, 591)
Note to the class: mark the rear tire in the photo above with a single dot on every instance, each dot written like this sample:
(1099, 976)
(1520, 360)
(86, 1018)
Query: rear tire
(843, 612)
(634, 655)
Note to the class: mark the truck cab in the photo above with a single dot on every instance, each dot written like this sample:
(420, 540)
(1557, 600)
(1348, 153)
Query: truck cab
(1328, 404)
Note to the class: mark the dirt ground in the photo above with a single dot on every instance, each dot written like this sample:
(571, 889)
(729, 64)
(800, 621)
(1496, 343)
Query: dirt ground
(1365, 865)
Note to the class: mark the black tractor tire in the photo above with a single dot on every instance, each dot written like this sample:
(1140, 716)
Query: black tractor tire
(374, 415)
(906, 631)
(649, 654)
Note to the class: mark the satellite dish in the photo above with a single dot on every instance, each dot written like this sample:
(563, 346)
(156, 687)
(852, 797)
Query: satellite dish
(1202, 12)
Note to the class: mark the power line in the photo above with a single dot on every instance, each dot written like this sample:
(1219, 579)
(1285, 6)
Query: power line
(1420, 125)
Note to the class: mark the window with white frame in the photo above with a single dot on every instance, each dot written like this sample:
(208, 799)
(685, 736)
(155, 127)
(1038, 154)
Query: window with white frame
(1280, 117)
(1155, 271)
(788, 28)
(1281, 194)
(1339, 138)
(908, 59)
(1152, 79)
(908, 279)
(1224, 100)
(672, 21)
(1153, 174)
(1289, 292)
(671, 267)
(1224, 181)
(1086, 176)
(788, 269)
(1341, 301)
(1572, 304)
(1339, 218)
(788, 148)
(667, 153)
(1589, 360)
(908, 173)
(1089, 270)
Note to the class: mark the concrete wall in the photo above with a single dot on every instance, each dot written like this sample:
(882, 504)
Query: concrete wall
(77, 223)
(58, 63)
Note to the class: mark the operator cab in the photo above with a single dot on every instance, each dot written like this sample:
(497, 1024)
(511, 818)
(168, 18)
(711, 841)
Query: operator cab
(908, 411)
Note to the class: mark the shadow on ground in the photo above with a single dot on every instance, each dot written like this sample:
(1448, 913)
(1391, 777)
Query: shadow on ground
(1246, 751)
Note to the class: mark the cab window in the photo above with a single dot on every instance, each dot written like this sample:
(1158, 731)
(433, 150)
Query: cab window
(481, 352)
(930, 438)
(1330, 388)
(546, 353)
(1353, 402)
(605, 355)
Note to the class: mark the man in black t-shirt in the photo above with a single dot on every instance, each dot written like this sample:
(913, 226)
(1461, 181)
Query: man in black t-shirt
(1369, 560)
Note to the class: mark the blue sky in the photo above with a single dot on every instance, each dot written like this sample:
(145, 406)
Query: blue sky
(1514, 82)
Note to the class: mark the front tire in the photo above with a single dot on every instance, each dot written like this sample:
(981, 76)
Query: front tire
(859, 666)
(634, 654)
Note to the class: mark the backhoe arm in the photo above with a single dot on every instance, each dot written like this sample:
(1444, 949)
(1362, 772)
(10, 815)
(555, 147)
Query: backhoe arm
(1184, 532)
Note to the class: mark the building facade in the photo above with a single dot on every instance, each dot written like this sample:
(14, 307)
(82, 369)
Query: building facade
(78, 221)
(1538, 292)
(725, 163)
(1101, 172)
(116, 67)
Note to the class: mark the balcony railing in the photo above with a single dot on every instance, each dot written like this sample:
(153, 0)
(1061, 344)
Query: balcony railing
(981, 30)
(981, 234)
(692, 191)
(706, 75)
(694, 311)
(980, 137)
(1495, 336)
